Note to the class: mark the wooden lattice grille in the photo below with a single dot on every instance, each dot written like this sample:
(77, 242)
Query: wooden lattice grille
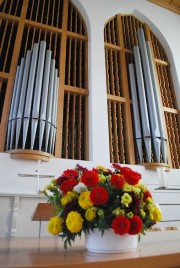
(60, 25)
(120, 36)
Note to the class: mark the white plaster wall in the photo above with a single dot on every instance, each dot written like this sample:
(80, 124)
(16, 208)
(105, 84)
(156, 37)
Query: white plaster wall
(165, 25)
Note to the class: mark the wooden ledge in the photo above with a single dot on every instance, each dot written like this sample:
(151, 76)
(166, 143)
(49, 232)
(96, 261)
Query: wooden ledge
(30, 155)
(155, 166)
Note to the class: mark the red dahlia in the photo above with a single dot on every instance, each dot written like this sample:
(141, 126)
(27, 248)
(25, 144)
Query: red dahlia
(99, 195)
(71, 174)
(120, 225)
(90, 178)
(117, 181)
(68, 185)
(135, 225)
(131, 177)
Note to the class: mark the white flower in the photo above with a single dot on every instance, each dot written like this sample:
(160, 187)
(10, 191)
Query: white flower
(80, 187)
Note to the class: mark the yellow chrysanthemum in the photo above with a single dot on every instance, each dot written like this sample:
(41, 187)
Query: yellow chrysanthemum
(118, 211)
(67, 198)
(55, 225)
(157, 215)
(126, 199)
(102, 178)
(127, 187)
(90, 214)
(103, 169)
(74, 222)
(84, 200)
(136, 190)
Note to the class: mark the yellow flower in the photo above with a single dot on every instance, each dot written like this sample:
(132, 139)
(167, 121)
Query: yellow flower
(102, 178)
(136, 190)
(126, 199)
(157, 215)
(142, 213)
(103, 169)
(55, 225)
(74, 222)
(84, 200)
(67, 198)
(118, 211)
(127, 187)
(90, 214)
(130, 214)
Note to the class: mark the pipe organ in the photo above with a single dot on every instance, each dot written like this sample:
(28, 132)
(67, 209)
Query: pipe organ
(33, 111)
(142, 110)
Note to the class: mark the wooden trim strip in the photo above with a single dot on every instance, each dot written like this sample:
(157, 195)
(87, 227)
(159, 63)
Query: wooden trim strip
(171, 110)
(118, 98)
(82, 91)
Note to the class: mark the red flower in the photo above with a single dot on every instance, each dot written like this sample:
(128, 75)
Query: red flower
(146, 195)
(135, 225)
(71, 174)
(131, 177)
(90, 178)
(99, 195)
(120, 225)
(117, 181)
(68, 185)
(116, 166)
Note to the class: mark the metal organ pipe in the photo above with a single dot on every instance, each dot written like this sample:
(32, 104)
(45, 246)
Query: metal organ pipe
(142, 102)
(29, 95)
(157, 103)
(44, 97)
(150, 95)
(16, 101)
(11, 109)
(37, 92)
(136, 115)
(49, 104)
(22, 96)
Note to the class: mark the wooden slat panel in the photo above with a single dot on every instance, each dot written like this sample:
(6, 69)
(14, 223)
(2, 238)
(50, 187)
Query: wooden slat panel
(79, 128)
(110, 132)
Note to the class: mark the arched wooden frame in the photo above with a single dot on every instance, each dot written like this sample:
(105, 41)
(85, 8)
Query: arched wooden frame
(120, 35)
(60, 24)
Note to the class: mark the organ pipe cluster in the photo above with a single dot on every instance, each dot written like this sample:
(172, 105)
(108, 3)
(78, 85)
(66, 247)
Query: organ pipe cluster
(147, 112)
(33, 111)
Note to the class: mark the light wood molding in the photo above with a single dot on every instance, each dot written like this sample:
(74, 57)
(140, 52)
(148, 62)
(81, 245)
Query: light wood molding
(29, 155)
(173, 6)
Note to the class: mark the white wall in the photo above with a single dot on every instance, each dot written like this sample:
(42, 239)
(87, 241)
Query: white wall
(165, 25)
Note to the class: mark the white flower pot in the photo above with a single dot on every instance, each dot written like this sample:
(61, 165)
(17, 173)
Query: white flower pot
(110, 242)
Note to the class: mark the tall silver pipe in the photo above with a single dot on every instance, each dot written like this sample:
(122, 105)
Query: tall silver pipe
(27, 111)
(53, 112)
(136, 115)
(49, 104)
(22, 96)
(11, 109)
(150, 95)
(157, 103)
(16, 102)
(143, 104)
(37, 92)
(55, 115)
(44, 97)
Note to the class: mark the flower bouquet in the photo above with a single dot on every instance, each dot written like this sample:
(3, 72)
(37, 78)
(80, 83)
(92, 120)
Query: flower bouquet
(100, 198)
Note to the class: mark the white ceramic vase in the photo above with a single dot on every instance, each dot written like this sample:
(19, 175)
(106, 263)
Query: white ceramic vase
(110, 242)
